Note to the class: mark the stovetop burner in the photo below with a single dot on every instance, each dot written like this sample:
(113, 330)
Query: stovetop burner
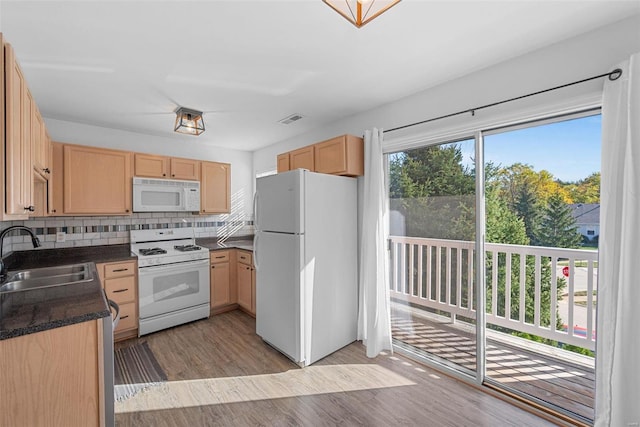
(152, 251)
(187, 248)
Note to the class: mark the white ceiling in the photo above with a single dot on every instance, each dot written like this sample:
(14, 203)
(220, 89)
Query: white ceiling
(248, 64)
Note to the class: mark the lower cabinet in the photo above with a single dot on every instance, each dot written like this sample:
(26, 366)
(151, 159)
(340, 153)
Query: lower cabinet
(245, 275)
(222, 289)
(120, 283)
(233, 281)
(54, 377)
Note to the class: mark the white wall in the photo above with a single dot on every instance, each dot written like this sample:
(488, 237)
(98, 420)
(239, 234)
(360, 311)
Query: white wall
(241, 161)
(593, 53)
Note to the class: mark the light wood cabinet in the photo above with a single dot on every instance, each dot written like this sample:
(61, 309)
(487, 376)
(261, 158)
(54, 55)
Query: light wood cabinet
(54, 377)
(96, 181)
(185, 169)
(283, 162)
(39, 144)
(343, 155)
(56, 206)
(221, 285)
(153, 166)
(40, 192)
(17, 145)
(120, 282)
(302, 158)
(245, 277)
(215, 188)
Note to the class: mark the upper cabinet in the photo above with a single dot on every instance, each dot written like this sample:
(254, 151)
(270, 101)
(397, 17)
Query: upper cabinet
(17, 145)
(215, 188)
(343, 155)
(25, 144)
(283, 162)
(40, 144)
(185, 169)
(153, 166)
(96, 181)
(56, 188)
(302, 158)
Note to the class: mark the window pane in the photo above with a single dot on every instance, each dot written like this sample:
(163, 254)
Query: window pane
(542, 198)
(432, 224)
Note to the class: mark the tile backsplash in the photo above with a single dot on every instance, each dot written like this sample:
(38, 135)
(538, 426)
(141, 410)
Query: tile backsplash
(111, 230)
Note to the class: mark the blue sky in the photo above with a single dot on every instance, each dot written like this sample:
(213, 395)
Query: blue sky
(570, 149)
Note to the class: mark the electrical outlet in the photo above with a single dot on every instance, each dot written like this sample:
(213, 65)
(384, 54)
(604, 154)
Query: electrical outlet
(61, 236)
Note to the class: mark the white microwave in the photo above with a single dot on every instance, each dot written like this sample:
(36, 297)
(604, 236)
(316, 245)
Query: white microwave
(165, 195)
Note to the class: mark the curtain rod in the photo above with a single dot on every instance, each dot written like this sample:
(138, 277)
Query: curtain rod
(613, 75)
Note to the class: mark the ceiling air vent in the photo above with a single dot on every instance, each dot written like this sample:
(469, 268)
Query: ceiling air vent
(290, 119)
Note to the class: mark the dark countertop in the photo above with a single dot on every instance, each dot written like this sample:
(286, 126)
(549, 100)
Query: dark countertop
(212, 244)
(35, 310)
(51, 257)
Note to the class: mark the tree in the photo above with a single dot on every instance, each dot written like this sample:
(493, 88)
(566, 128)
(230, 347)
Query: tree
(528, 208)
(434, 192)
(586, 190)
(557, 226)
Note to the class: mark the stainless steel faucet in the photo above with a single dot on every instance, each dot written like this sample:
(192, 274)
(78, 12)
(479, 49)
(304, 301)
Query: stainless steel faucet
(34, 240)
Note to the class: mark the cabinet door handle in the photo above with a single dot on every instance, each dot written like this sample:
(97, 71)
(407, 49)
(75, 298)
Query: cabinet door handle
(221, 256)
(124, 317)
(30, 208)
(120, 290)
(164, 174)
(120, 270)
(213, 266)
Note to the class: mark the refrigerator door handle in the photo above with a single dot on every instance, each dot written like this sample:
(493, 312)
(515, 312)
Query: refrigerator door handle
(256, 263)
(255, 211)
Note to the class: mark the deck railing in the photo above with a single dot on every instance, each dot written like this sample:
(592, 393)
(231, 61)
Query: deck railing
(522, 285)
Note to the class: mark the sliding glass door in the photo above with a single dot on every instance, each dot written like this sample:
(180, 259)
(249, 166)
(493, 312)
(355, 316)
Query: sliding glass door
(537, 272)
(432, 227)
(542, 196)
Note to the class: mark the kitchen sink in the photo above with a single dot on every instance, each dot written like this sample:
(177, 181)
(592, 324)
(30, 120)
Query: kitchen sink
(46, 277)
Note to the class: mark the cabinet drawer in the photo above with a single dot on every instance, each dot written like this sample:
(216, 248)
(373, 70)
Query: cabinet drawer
(128, 317)
(245, 257)
(119, 269)
(121, 289)
(219, 256)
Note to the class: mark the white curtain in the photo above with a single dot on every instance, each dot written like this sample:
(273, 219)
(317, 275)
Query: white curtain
(618, 321)
(374, 319)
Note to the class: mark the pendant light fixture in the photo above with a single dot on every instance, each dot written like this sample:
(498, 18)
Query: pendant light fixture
(189, 121)
(360, 12)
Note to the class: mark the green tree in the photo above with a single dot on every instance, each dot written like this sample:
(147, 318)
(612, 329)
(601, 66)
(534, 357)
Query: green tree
(586, 190)
(528, 208)
(557, 225)
(434, 192)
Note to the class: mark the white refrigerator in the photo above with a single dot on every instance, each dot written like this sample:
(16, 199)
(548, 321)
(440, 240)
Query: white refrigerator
(306, 263)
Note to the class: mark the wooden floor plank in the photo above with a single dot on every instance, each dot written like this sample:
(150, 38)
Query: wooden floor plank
(221, 373)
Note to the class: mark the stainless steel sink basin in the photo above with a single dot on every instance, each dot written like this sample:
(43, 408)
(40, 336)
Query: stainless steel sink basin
(46, 277)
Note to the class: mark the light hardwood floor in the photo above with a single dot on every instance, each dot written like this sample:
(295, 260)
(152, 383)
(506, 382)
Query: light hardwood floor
(221, 373)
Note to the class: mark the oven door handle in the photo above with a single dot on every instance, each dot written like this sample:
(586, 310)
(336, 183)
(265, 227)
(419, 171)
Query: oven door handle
(173, 267)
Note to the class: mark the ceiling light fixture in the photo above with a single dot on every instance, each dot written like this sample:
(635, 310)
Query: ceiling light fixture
(189, 121)
(360, 12)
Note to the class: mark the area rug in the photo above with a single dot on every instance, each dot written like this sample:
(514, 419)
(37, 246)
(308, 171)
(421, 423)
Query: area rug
(135, 370)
